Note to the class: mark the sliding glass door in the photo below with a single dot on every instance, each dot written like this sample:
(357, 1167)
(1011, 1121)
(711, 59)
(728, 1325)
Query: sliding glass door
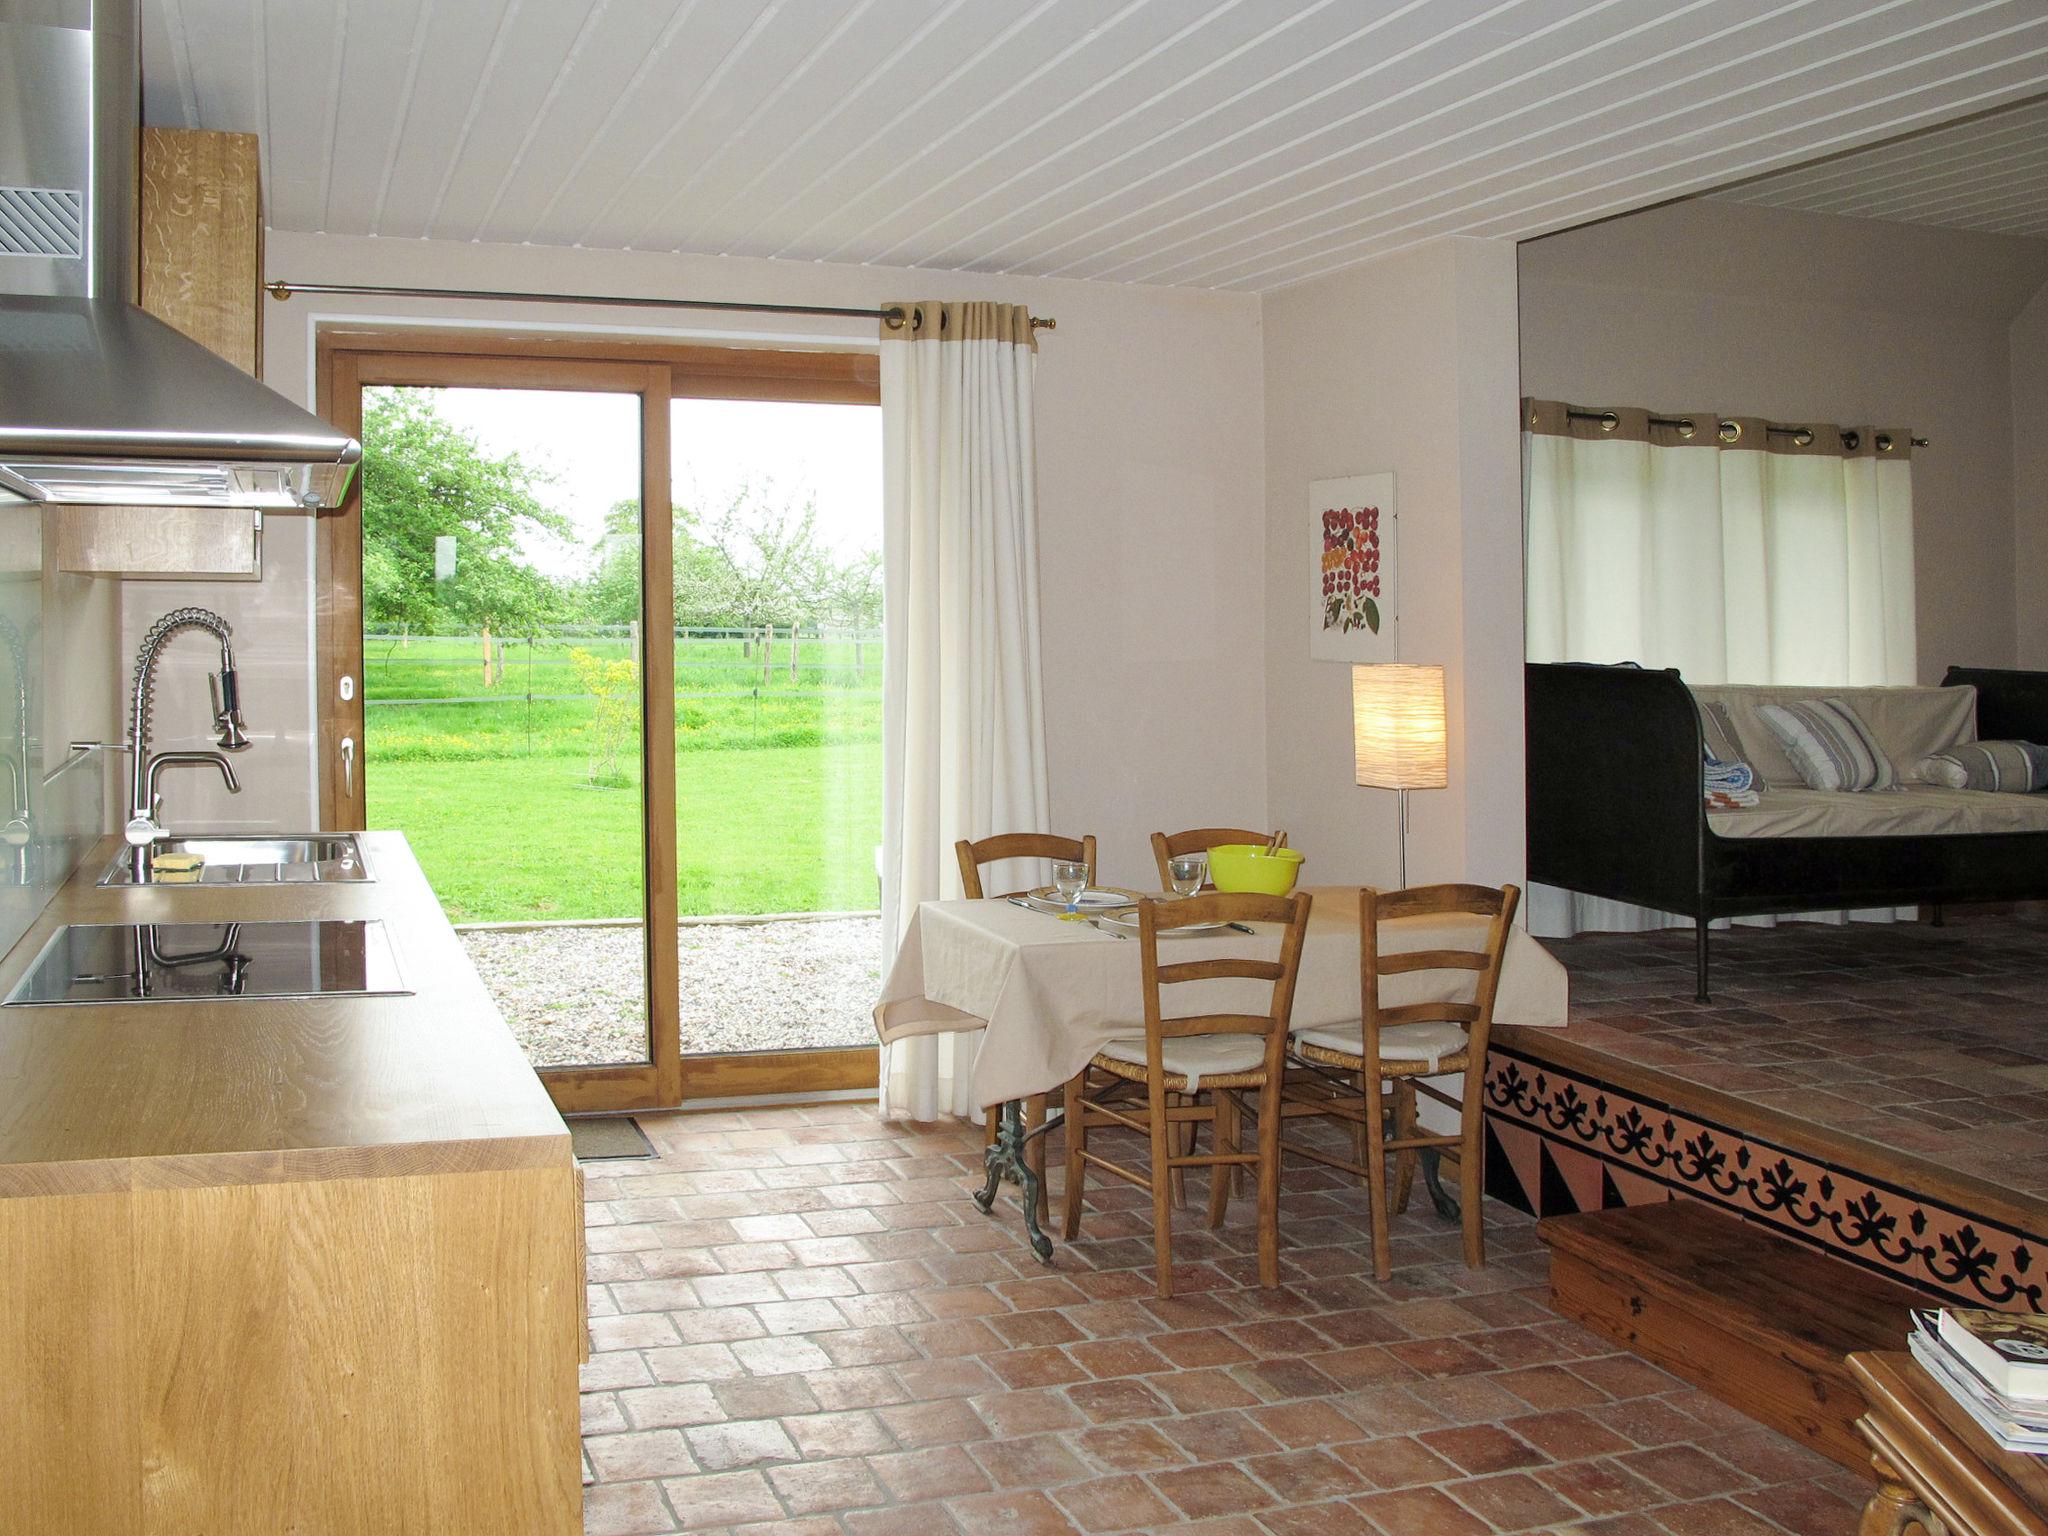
(501, 693)
(624, 702)
(778, 593)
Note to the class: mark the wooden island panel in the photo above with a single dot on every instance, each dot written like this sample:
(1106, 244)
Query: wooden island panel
(345, 1294)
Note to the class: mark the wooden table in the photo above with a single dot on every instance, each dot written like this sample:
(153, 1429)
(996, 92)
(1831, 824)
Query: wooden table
(1047, 995)
(1937, 1471)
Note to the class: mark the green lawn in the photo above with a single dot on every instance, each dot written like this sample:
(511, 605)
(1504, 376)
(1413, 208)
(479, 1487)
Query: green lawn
(452, 666)
(778, 779)
(774, 829)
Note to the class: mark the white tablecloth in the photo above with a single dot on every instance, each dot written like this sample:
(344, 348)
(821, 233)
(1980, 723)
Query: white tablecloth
(1050, 993)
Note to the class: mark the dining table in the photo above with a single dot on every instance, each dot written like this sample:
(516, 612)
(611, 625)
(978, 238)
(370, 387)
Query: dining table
(1048, 992)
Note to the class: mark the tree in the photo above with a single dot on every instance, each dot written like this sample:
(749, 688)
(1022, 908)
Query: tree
(753, 562)
(425, 479)
(854, 591)
(611, 593)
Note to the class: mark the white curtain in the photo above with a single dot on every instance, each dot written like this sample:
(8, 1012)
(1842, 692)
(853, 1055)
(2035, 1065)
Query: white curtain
(1756, 560)
(962, 715)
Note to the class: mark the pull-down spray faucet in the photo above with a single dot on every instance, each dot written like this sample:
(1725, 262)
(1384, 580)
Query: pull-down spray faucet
(144, 803)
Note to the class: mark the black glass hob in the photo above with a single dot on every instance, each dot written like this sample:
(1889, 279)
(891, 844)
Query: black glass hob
(189, 962)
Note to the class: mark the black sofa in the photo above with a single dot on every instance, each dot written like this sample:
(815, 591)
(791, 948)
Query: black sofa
(1616, 809)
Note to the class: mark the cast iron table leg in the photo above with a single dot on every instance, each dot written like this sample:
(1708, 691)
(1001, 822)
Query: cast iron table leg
(1005, 1159)
(1432, 1178)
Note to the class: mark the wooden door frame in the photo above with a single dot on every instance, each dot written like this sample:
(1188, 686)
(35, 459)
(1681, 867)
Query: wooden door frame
(349, 358)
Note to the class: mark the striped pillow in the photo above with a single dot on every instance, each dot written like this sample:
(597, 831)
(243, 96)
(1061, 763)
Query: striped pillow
(2007, 767)
(1830, 746)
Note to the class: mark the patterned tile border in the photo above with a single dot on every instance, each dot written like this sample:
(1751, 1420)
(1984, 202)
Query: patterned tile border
(1563, 1142)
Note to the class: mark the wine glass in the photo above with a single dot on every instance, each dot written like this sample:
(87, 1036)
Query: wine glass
(1070, 879)
(1186, 873)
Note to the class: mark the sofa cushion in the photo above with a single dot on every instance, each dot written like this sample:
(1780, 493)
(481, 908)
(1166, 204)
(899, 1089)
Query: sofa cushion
(1830, 746)
(1909, 723)
(1917, 810)
(2001, 767)
(1723, 738)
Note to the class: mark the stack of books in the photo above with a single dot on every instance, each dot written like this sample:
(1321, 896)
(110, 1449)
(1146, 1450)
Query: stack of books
(1996, 1365)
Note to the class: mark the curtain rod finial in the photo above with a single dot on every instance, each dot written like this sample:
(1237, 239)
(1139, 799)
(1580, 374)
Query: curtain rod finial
(1044, 323)
(278, 290)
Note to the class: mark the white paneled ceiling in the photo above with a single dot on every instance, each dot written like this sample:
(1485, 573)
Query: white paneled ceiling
(1990, 173)
(1216, 143)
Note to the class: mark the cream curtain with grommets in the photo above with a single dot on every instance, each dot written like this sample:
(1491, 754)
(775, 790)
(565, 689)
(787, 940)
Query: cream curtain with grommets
(1731, 548)
(962, 704)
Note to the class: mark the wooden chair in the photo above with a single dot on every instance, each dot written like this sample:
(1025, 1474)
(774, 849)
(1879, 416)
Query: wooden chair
(1345, 1071)
(1210, 1061)
(973, 854)
(1167, 846)
(1018, 845)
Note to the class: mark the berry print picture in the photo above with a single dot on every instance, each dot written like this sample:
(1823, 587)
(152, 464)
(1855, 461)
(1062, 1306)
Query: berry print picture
(1354, 610)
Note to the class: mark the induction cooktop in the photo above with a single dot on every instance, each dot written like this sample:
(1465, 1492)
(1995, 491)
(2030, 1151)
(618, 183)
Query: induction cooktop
(187, 962)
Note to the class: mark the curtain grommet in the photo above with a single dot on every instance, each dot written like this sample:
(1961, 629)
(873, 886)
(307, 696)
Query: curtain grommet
(1730, 432)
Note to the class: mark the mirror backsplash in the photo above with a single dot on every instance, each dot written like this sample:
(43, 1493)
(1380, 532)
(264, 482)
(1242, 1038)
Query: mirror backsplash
(60, 682)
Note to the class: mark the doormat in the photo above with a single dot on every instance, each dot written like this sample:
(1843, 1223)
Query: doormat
(608, 1138)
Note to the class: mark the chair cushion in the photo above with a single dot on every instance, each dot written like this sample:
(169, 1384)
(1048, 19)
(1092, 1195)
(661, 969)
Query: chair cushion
(1194, 1057)
(1428, 1042)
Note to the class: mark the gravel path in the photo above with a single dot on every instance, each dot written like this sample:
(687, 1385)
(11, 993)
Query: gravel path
(573, 993)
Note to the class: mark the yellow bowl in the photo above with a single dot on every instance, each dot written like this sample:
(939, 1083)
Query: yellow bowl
(1249, 867)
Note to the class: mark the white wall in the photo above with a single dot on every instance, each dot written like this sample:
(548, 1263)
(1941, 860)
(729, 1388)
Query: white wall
(1714, 306)
(1404, 364)
(1149, 445)
(2027, 341)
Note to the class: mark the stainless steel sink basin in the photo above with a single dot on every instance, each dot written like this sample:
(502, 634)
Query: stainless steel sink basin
(308, 858)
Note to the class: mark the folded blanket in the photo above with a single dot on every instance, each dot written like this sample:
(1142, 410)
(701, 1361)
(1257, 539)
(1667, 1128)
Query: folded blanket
(1732, 800)
(1731, 777)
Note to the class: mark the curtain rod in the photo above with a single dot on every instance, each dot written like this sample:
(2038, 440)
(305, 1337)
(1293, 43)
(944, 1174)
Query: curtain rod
(1728, 432)
(893, 314)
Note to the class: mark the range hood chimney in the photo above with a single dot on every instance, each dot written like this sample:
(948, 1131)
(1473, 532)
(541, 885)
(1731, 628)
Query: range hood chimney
(100, 403)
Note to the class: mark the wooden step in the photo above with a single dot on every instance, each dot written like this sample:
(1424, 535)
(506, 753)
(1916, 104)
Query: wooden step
(1761, 1322)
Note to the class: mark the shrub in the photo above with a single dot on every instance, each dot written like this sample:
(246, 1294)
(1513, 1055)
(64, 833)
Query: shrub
(614, 683)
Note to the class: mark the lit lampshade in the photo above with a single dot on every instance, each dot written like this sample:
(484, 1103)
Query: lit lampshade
(1397, 716)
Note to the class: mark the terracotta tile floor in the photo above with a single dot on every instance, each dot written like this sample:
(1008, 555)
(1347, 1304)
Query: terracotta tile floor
(801, 1325)
(1933, 1041)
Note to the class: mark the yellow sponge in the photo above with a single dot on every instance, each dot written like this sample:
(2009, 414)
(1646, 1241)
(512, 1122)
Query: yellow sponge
(176, 863)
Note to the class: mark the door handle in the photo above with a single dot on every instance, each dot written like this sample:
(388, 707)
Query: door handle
(348, 766)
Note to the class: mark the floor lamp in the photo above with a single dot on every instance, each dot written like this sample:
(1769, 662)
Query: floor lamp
(1398, 727)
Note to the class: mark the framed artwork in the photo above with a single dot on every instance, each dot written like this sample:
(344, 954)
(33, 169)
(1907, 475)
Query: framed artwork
(1354, 577)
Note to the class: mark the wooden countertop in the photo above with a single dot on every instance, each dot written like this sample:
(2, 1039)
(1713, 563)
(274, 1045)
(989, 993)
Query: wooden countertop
(98, 1097)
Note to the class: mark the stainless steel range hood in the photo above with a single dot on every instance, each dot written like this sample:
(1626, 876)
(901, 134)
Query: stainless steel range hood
(100, 403)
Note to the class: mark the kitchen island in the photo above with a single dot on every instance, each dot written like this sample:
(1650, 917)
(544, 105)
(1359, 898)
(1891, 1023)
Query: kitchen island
(307, 1264)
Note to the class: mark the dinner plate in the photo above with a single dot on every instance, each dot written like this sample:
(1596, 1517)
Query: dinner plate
(1094, 901)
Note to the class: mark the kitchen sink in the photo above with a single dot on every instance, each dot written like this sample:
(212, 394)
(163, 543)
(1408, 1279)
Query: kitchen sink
(311, 858)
